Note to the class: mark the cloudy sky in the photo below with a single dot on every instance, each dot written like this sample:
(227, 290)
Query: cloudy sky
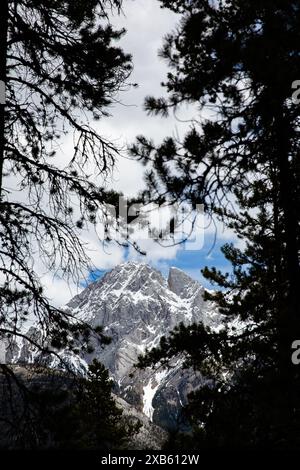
(146, 24)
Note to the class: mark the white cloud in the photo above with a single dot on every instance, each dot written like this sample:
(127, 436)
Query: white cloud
(59, 291)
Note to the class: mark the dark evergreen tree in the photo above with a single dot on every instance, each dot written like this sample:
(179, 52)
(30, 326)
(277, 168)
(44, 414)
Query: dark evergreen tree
(86, 416)
(62, 69)
(238, 60)
(101, 423)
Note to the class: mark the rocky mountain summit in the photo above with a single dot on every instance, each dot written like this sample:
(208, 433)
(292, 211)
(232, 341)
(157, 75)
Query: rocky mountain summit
(136, 306)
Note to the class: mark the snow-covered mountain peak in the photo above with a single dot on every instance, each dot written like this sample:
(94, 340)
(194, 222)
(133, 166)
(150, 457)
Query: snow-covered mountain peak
(135, 277)
(136, 305)
(126, 277)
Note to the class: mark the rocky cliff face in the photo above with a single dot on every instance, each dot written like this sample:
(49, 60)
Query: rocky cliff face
(136, 305)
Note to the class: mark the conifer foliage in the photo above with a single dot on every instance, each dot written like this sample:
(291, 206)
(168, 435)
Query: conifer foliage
(62, 69)
(237, 61)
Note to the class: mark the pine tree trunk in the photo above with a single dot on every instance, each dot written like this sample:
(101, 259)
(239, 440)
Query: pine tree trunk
(3, 58)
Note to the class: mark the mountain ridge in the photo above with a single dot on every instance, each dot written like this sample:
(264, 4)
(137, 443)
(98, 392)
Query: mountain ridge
(136, 306)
